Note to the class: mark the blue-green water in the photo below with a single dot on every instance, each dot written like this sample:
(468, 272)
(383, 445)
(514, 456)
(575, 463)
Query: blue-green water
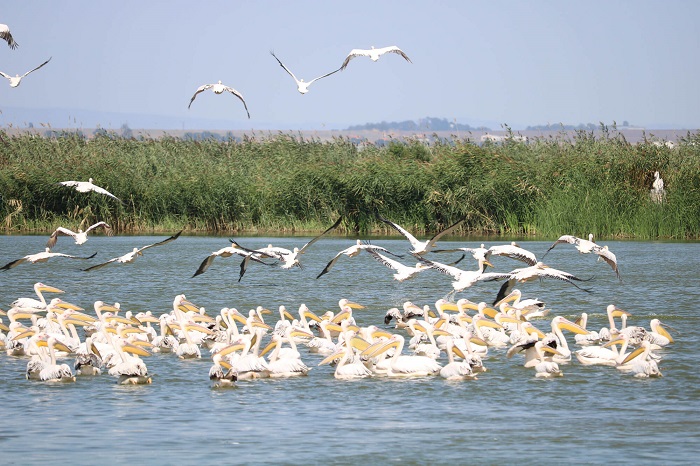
(507, 416)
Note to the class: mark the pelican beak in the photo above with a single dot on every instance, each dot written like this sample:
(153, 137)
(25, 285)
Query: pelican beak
(230, 349)
(354, 305)
(62, 347)
(466, 319)
(142, 343)
(301, 334)
(269, 346)
(632, 355)
(23, 315)
(333, 327)
(508, 319)
(549, 349)
(312, 316)
(4, 327)
(617, 341)
(663, 332)
(288, 315)
(359, 344)
(26, 334)
(133, 349)
(126, 331)
(490, 312)
(381, 333)
(237, 316)
(119, 319)
(506, 299)
(353, 328)
(438, 332)
(109, 308)
(266, 311)
(95, 350)
(260, 325)
(457, 351)
(84, 317)
(449, 307)
(50, 289)
(420, 327)
(340, 316)
(72, 307)
(187, 306)
(198, 328)
(225, 365)
(148, 318)
(532, 329)
(572, 327)
(489, 264)
(135, 320)
(384, 348)
(488, 323)
(478, 341)
(332, 357)
(372, 349)
(79, 322)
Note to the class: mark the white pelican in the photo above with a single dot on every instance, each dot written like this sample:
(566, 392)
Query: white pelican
(228, 252)
(353, 251)
(400, 365)
(557, 340)
(130, 257)
(585, 339)
(463, 279)
(658, 336)
(51, 371)
(292, 260)
(456, 370)
(512, 251)
(6, 35)
(217, 374)
(80, 236)
(41, 257)
(658, 184)
(31, 303)
(603, 355)
(589, 246)
(421, 247)
(544, 368)
(131, 370)
(15, 80)
(532, 273)
(219, 88)
(403, 272)
(643, 365)
(373, 54)
(344, 369)
(285, 362)
(302, 86)
(87, 186)
(516, 301)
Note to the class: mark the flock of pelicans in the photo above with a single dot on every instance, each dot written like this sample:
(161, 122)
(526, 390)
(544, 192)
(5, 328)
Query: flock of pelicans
(219, 87)
(450, 340)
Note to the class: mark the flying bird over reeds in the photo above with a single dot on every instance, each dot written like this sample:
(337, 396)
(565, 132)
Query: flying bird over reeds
(219, 88)
(80, 236)
(589, 246)
(15, 80)
(6, 35)
(373, 54)
(87, 186)
(421, 247)
(302, 86)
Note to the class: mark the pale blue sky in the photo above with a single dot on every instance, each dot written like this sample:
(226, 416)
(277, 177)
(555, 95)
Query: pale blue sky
(515, 62)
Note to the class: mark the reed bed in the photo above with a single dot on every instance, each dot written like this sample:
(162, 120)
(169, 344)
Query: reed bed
(288, 183)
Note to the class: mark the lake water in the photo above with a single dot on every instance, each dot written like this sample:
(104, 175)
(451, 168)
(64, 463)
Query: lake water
(592, 414)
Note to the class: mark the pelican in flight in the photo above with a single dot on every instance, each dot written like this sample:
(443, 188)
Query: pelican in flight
(228, 252)
(589, 246)
(219, 88)
(130, 257)
(41, 257)
(353, 251)
(6, 35)
(87, 186)
(15, 80)
(80, 236)
(463, 279)
(373, 54)
(403, 272)
(421, 247)
(302, 86)
(512, 250)
(532, 273)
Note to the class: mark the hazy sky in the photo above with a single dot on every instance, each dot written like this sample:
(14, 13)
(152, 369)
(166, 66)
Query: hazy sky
(515, 62)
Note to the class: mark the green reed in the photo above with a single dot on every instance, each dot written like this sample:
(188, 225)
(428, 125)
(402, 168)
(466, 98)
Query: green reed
(286, 183)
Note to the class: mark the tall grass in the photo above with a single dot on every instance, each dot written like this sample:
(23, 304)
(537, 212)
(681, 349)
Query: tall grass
(285, 183)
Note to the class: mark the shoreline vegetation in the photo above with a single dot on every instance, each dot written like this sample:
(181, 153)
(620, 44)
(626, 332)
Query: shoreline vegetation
(287, 184)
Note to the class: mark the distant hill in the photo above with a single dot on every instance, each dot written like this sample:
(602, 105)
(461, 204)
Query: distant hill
(424, 124)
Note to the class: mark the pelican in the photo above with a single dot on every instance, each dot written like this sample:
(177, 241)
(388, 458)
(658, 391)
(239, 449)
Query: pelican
(403, 272)
(643, 365)
(87, 186)
(292, 260)
(463, 279)
(421, 247)
(6, 35)
(557, 340)
(219, 88)
(80, 236)
(456, 370)
(285, 362)
(373, 54)
(534, 272)
(15, 80)
(583, 246)
(658, 336)
(344, 369)
(512, 251)
(544, 368)
(228, 252)
(302, 86)
(130, 257)
(131, 370)
(51, 371)
(603, 355)
(526, 305)
(658, 184)
(41, 257)
(353, 251)
(88, 362)
(31, 303)
(216, 372)
(400, 365)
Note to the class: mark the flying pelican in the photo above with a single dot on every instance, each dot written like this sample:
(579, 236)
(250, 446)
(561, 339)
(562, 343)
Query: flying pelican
(131, 256)
(463, 279)
(87, 186)
(403, 272)
(421, 247)
(41, 257)
(302, 86)
(292, 260)
(228, 252)
(219, 88)
(80, 236)
(511, 250)
(7, 36)
(373, 54)
(15, 80)
(353, 251)
(534, 272)
(589, 246)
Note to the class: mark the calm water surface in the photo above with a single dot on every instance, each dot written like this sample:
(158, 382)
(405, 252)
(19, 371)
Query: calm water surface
(507, 416)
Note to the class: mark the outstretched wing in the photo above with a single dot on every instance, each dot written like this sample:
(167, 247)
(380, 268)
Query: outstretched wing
(607, 255)
(303, 248)
(282, 65)
(447, 230)
(395, 49)
(95, 267)
(354, 53)
(412, 239)
(7, 36)
(30, 71)
(325, 75)
(14, 263)
(204, 265)
(514, 252)
(562, 239)
(160, 243)
(99, 190)
(54, 236)
(199, 90)
(107, 228)
(238, 94)
(390, 263)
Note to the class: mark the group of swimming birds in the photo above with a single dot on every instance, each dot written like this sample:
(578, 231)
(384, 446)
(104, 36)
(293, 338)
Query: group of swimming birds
(117, 340)
(219, 87)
